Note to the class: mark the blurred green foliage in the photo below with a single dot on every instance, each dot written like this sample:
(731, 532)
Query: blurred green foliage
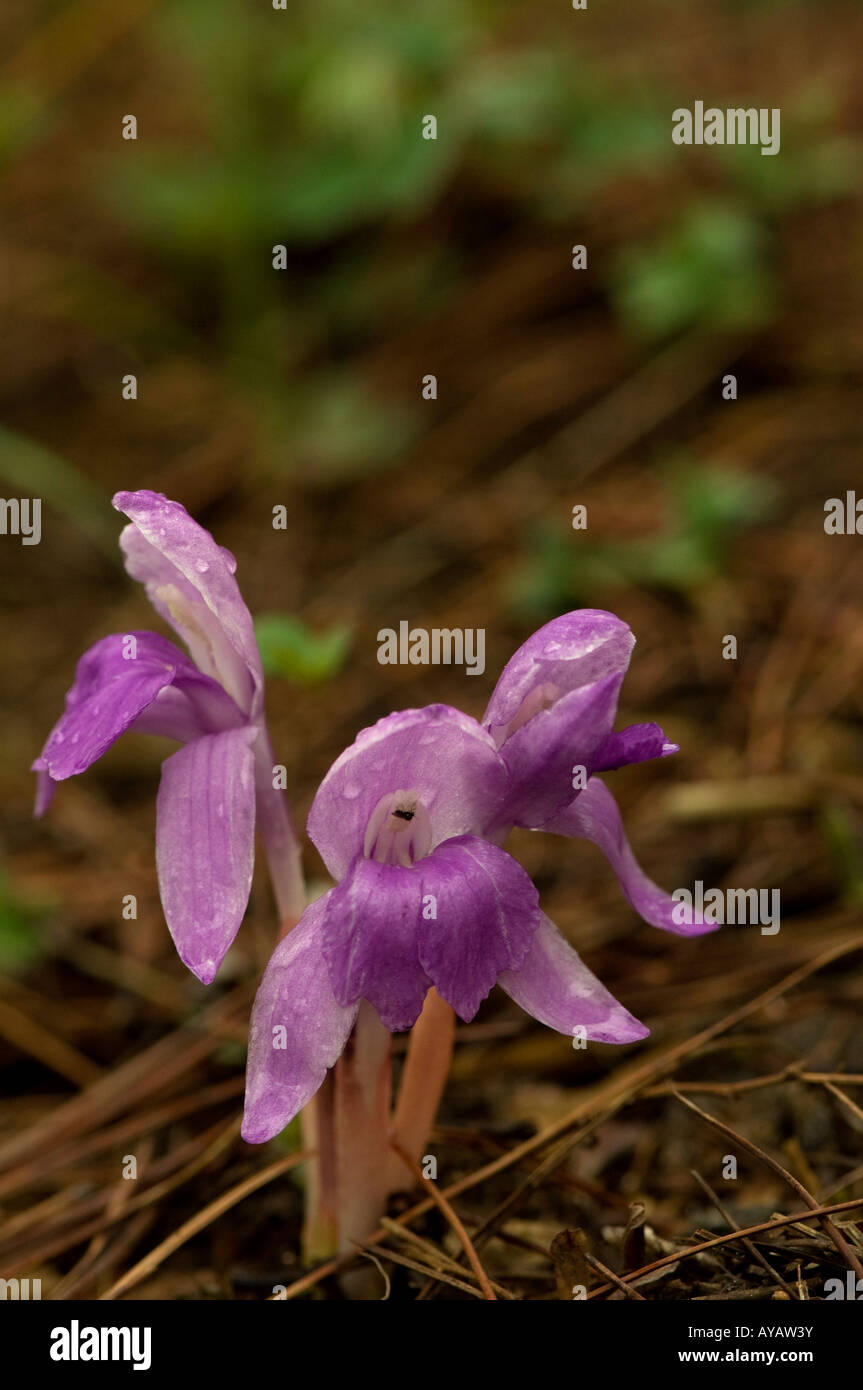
(290, 1139)
(706, 507)
(316, 142)
(303, 128)
(308, 140)
(291, 650)
(710, 269)
(21, 920)
(33, 470)
(842, 830)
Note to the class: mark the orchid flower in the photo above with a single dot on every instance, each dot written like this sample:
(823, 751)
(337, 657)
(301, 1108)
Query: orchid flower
(216, 785)
(551, 715)
(410, 821)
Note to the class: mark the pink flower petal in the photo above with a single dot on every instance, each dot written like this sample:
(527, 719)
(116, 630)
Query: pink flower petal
(438, 752)
(190, 582)
(205, 831)
(555, 987)
(594, 815)
(298, 1030)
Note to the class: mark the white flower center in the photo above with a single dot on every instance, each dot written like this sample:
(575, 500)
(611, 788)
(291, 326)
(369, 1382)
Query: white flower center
(399, 830)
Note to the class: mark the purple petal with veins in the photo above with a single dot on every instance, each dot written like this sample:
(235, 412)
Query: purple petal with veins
(190, 582)
(555, 987)
(298, 1030)
(444, 756)
(485, 911)
(369, 929)
(636, 744)
(213, 789)
(571, 652)
(542, 753)
(594, 815)
(205, 828)
(111, 690)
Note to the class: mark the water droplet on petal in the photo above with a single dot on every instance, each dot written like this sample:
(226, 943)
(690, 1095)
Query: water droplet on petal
(58, 737)
(201, 566)
(551, 648)
(351, 790)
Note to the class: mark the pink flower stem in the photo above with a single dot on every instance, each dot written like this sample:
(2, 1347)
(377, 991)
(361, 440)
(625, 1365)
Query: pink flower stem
(321, 1214)
(362, 1124)
(422, 1082)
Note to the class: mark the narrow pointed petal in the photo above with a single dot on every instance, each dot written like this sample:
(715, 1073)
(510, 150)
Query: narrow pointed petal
(205, 825)
(485, 911)
(636, 744)
(555, 987)
(278, 838)
(370, 935)
(438, 752)
(190, 581)
(298, 1030)
(594, 815)
(45, 785)
(111, 690)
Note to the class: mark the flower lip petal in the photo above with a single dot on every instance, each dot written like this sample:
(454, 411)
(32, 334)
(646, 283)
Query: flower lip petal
(570, 651)
(190, 581)
(297, 1032)
(446, 757)
(485, 911)
(370, 941)
(555, 987)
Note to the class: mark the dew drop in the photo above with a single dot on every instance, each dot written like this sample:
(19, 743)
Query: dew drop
(201, 566)
(351, 790)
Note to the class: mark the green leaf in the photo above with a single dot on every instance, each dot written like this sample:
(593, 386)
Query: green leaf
(706, 507)
(292, 650)
(290, 1140)
(841, 828)
(710, 269)
(21, 942)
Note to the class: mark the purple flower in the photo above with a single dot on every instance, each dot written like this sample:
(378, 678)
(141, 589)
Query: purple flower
(212, 704)
(410, 821)
(552, 712)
